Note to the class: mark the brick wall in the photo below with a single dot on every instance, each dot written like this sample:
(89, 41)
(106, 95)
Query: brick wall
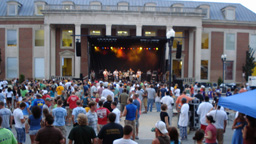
(84, 49)
(25, 52)
(2, 47)
(217, 40)
(242, 47)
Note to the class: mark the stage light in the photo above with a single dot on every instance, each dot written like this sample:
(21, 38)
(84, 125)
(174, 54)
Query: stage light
(95, 47)
(149, 48)
(157, 48)
(154, 48)
(111, 48)
(102, 47)
(105, 48)
(144, 48)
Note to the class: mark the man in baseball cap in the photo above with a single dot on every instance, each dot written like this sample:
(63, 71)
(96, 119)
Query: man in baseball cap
(161, 133)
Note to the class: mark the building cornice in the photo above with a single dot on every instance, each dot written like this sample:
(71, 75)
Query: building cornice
(22, 18)
(224, 22)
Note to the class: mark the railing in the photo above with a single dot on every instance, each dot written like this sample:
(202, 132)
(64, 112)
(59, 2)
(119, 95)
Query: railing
(187, 81)
(114, 8)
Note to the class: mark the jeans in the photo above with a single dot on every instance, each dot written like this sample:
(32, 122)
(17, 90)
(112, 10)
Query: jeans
(170, 114)
(150, 102)
(158, 106)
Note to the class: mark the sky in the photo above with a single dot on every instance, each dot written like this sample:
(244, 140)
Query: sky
(250, 4)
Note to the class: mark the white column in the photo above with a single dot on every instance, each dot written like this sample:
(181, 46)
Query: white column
(77, 59)
(167, 45)
(108, 29)
(190, 53)
(53, 52)
(47, 46)
(198, 53)
(138, 30)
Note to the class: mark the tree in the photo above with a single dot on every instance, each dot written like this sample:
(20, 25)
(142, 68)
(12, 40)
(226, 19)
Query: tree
(249, 63)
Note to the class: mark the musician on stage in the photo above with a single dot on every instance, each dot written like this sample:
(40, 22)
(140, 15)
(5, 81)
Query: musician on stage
(131, 74)
(92, 75)
(138, 75)
(105, 74)
(115, 74)
(149, 74)
(120, 74)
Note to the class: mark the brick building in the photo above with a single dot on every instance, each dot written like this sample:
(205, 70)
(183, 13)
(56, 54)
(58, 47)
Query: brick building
(36, 36)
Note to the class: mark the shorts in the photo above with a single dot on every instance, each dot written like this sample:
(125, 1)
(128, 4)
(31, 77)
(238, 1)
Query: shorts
(9, 100)
(137, 123)
(63, 130)
(32, 132)
(70, 112)
(122, 107)
(131, 123)
(145, 101)
(21, 135)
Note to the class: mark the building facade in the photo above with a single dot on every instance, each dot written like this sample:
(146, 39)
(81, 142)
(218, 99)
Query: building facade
(37, 37)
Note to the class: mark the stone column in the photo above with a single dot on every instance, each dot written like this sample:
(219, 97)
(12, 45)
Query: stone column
(77, 59)
(108, 29)
(53, 51)
(47, 46)
(138, 30)
(198, 53)
(190, 53)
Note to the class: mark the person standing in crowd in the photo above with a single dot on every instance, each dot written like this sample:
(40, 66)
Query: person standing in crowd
(49, 134)
(60, 114)
(179, 101)
(176, 91)
(20, 123)
(196, 88)
(237, 126)
(123, 99)
(228, 93)
(6, 135)
(92, 117)
(163, 90)
(38, 102)
(199, 96)
(202, 111)
(34, 121)
(137, 123)
(6, 116)
(102, 114)
(130, 113)
(79, 109)
(116, 111)
(151, 96)
(164, 115)
(2, 97)
(249, 135)
(145, 100)
(82, 133)
(9, 96)
(168, 100)
(157, 102)
(161, 134)
(243, 89)
(183, 119)
(199, 137)
(210, 131)
(127, 132)
(106, 92)
(220, 117)
(107, 104)
(48, 104)
(174, 135)
(72, 104)
(59, 90)
(110, 131)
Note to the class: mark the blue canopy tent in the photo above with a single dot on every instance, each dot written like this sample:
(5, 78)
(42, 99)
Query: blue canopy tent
(243, 102)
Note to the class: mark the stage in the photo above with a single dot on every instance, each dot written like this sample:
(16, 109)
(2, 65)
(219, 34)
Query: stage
(123, 53)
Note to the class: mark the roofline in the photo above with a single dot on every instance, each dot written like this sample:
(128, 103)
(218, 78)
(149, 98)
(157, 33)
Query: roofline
(224, 22)
(22, 18)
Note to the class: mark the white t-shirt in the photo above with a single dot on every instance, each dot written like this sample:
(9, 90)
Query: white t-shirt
(124, 141)
(168, 100)
(177, 92)
(183, 119)
(202, 110)
(9, 94)
(107, 92)
(117, 112)
(219, 116)
(18, 115)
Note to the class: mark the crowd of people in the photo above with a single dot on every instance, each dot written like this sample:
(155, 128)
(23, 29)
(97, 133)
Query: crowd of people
(94, 109)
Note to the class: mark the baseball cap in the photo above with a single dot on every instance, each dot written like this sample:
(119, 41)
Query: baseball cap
(38, 95)
(161, 127)
(47, 99)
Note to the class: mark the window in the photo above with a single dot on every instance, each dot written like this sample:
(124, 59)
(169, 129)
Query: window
(39, 68)
(150, 33)
(150, 7)
(67, 39)
(39, 7)
(11, 38)
(229, 70)
(123, 6)
(177, 7)
(95, 32)
(206, 13)
(253, 41)
(178, 38)
(122, 33)
(205, 40)
(230, 14)
(66, 66)
(12, 68)
(39, 38)
(230, 41)
(95, 6)
(177, 68)
(12, 9)
(204, 69)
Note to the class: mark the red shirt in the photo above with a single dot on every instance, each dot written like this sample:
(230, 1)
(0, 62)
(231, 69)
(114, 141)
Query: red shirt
(45, 96)
(102, 114)
(213, 130)
(72, 101)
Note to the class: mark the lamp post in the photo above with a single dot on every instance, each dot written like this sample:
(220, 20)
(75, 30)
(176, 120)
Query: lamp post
(170, 37)
(224, 58)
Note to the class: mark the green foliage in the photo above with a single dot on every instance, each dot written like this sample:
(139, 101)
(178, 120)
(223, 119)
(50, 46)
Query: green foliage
(220, 81)
(22, 78)
(249, 63)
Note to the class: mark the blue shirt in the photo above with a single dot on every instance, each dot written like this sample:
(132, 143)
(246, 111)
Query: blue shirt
(137, 103)
(163, 91)
(77, 111)
(34, 123)
(2, 97)
(85, 88)
(52, 93)
(131, 112)
(25, 110)
(38, 102)
(228, 94)
(59, 115)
